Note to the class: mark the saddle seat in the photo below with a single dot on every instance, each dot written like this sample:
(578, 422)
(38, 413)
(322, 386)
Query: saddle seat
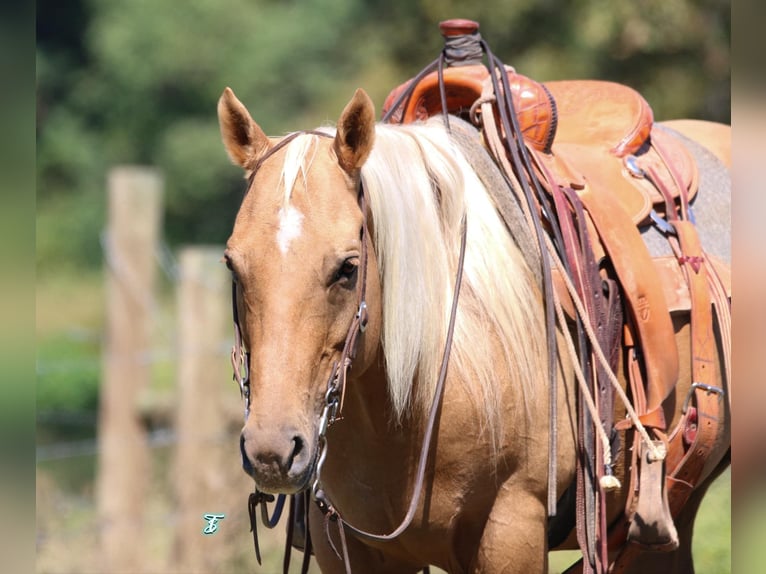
(604, 129)
(582, 129)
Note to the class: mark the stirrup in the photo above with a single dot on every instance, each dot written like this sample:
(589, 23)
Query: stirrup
(651, 525)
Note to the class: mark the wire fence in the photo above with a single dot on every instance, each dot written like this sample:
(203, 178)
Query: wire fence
(167, 322)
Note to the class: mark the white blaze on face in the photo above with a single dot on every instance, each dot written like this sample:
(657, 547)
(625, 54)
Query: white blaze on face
(289, 227)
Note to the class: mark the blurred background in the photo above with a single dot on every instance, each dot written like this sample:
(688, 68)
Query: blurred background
(132, 326)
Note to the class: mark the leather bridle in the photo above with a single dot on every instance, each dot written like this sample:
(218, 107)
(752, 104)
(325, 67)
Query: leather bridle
(337, 382)
(334, 398)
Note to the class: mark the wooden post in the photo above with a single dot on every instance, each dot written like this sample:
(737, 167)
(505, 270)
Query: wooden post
(130, 245)
(207, 473)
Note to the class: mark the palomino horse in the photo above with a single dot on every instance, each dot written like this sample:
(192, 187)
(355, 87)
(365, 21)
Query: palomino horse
(379, 214)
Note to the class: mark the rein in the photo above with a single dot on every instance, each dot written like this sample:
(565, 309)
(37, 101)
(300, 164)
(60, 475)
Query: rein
(328, 509)
(464, 46)
(334, 399)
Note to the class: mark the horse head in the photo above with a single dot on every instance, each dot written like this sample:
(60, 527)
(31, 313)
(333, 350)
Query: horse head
(295, 255)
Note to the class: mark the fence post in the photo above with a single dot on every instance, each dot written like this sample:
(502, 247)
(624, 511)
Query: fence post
(130, 245)
(207, 477)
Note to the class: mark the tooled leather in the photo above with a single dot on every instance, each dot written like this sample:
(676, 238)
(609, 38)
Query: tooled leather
(535, 107)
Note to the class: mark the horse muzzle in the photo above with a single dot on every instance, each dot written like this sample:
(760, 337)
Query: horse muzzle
(279, 461)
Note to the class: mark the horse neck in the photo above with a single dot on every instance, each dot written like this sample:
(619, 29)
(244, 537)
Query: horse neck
(367, 406)
(368, 419)
(368, 454)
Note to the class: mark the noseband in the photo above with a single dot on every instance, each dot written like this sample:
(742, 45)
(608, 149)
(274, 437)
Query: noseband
(333, 403)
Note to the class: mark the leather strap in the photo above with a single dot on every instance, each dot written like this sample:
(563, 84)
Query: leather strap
(359, 322)
(330, 510)
(685, 477)
(698, 432)
(640, 283)
(514, 157)
(584, 273)
(278, 146)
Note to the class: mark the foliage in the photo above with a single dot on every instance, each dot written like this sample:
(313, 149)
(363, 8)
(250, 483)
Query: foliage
(68, 375)
(137, 82)
(69, 320)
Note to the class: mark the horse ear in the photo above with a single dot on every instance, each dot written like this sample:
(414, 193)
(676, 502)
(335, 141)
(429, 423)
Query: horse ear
(356, 132)
(243, 139)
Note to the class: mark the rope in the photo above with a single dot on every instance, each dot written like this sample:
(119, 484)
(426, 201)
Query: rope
(655, 453)
(580, 376)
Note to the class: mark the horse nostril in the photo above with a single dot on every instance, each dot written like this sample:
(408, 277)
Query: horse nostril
(246, 464)
(297, 449)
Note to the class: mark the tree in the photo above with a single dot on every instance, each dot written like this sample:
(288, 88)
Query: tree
(123, 82)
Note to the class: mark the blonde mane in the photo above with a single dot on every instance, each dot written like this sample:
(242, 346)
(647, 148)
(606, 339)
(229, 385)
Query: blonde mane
(419, 185)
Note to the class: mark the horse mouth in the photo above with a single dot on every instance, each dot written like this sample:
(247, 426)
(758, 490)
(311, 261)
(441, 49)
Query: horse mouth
(269, 484)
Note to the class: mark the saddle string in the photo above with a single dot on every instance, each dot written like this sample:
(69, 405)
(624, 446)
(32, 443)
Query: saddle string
(495, 144)
(606, 480)
(522, 166)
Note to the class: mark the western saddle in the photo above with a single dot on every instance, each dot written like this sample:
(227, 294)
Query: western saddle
(607, 171)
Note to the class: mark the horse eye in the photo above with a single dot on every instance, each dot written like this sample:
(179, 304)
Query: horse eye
(346, 270)
(230, 267)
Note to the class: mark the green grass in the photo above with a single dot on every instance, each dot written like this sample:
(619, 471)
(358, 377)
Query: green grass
(68, 327)
(711, 545)
(750, 525)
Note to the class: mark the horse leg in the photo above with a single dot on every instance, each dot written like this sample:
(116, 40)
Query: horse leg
(362, 558)
(514, 538)
(680, 561)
